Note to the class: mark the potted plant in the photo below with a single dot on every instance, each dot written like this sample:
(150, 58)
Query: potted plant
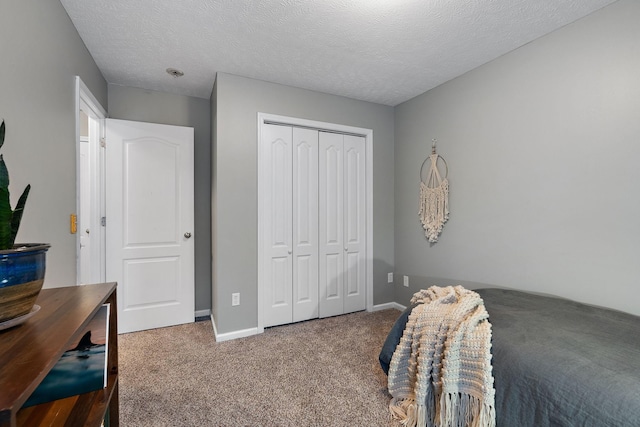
(22, 266)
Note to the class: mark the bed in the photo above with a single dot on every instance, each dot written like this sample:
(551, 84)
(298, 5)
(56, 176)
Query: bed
(556, 362)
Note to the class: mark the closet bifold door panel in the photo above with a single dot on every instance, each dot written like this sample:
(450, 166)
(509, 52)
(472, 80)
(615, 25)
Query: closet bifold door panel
(342, 227)
(331, 154)
(291, 279)
(278, 233)
(354, 224)
(305, 224)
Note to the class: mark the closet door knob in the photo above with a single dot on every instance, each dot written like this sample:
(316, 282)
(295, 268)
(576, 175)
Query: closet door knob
(289, 252)
(187, 235)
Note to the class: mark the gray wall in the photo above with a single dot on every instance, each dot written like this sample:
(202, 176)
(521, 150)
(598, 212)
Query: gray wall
(235, 184)
(41, 54)
(141, 105)
(543, 146)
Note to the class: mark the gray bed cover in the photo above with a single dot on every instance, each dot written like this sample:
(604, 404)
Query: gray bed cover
(559, 363)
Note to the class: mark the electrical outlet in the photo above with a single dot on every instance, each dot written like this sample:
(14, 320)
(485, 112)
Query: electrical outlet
(235, 299)
(389, 277)
(405, 281)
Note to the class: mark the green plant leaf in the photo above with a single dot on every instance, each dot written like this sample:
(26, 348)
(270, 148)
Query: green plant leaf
(5, 220)
(4, 174)
(16, 216)
(9, 219)
(2, 130)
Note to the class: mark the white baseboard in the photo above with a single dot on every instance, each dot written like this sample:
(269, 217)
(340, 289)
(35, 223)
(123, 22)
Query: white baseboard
(213, 323)
(232, 335)
(202, 313)
(388, 305)
(242, 333)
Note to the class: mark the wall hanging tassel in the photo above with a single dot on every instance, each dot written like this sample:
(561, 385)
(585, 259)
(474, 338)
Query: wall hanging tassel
(434, 197)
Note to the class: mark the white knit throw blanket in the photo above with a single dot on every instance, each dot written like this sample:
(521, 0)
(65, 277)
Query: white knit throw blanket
(440, 373)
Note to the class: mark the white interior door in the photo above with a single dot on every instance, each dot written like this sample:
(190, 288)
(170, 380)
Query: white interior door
(278, 280)
(149, 219)
(342, 214)
(291, 282)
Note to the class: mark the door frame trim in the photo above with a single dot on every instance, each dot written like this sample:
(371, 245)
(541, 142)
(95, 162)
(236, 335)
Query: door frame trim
(84, 97)
(266, 118)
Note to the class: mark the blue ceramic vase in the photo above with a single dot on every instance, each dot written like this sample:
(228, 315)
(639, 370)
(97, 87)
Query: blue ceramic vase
(21, 277)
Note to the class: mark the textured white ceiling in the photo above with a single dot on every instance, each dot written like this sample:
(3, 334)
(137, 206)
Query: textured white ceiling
(383, 51)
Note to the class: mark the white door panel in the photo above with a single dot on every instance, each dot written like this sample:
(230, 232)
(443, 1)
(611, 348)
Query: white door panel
(331, 216)
(342, 224)
(280, 294)
(305, 224)
(279, 234)
(163, 272)
(151, 196)
(354, 223)
(150, 248)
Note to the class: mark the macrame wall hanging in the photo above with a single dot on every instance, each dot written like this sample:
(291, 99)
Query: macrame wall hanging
(434, 196)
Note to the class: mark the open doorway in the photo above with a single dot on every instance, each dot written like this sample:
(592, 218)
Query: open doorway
(90, 187)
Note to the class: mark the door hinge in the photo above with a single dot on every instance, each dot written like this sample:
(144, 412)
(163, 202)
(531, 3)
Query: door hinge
(103, 221)
(103, 142)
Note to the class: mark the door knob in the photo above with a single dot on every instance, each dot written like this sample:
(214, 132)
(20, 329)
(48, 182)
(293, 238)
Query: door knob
(187, 234)
(289, 251)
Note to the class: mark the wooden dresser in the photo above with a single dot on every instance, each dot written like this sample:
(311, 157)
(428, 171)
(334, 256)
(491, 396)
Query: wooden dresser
(29, 351)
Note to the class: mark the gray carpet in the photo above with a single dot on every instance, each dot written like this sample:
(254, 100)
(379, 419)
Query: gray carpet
(316, 373)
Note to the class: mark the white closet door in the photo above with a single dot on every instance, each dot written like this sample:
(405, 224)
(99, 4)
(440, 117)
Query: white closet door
(354, 224)
(278, 232)
(314, 224)
(331, 211)
(305, 224)
(342, 224)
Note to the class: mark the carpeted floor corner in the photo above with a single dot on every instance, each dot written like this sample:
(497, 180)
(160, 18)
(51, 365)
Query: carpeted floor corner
(316, 373)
